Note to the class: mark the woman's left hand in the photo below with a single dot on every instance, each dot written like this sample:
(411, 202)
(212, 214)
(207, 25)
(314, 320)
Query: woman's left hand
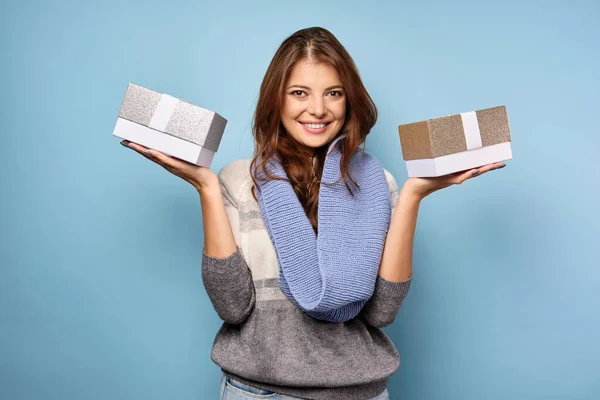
(422, 187)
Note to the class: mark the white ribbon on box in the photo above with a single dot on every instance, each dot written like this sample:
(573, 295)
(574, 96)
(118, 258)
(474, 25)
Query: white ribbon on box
(162, 114)
(471, 129)
(164, 111)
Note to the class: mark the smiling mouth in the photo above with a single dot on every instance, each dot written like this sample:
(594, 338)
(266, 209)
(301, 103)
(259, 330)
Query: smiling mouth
(315, 126)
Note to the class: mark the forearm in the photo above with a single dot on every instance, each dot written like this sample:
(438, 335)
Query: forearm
(218, 235)
(226, 276)
(395, 270)
(396, 261)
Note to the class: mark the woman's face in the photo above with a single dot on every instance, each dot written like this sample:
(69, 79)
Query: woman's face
(314, 106)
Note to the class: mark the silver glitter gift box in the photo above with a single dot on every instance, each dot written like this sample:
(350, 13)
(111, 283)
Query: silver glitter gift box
(170, 125)
(445, 145)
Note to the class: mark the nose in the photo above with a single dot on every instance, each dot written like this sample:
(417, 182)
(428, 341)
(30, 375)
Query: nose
(317, 107)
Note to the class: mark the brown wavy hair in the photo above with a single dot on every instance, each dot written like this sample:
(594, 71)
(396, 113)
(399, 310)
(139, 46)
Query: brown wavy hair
(302, 164)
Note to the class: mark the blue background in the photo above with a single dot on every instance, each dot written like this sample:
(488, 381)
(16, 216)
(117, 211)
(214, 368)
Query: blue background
(101, 294)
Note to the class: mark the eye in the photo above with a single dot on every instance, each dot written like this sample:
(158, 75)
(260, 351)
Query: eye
(297, 93)
(336, 93)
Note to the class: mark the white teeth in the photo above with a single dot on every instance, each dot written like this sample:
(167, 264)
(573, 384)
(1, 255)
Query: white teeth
(315, 126)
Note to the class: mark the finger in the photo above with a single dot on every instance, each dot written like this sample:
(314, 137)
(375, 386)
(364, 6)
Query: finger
(143, 150)
(461, 176)
(135, 146)
(468, 175)
(485, 168)
(497, 165)
(489, 167)
(168, 161)
(171, 164)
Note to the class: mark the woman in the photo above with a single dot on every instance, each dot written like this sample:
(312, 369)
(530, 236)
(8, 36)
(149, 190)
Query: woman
(292, 234)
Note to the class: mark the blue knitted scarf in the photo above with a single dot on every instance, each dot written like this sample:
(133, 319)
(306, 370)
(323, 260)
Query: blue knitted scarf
(329, 276)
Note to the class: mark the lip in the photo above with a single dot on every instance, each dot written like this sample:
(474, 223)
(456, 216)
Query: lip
(314, 131)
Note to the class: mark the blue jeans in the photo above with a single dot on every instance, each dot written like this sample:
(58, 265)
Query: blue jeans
(232, 389)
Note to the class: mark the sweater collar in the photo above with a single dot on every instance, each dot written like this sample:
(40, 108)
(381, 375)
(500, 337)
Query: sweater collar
(334, 142)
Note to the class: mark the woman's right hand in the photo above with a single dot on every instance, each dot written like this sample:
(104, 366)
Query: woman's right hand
(202, 178)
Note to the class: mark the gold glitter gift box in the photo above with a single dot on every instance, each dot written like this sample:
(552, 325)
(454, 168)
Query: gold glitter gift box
(170, 125)
(444, 145)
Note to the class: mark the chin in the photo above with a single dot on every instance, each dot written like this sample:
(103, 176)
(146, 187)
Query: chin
(315, 142)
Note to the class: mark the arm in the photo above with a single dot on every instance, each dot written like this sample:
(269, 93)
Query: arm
(226, 276)
(396, 261)
(395, 270)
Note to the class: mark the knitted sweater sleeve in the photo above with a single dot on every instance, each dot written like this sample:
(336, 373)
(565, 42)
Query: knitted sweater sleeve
(381, 309)
(228, 280)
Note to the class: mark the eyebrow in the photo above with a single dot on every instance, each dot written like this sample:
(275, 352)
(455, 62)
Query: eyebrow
(307, 88)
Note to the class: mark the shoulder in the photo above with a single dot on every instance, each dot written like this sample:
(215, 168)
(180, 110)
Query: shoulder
(392, 187)
(233, 176)
(391, 181)
(235, 171)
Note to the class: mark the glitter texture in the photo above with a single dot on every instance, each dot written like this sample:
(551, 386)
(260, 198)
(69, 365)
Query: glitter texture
(415, 141)
(188, 121)
(493, 125)
(139, 104)
(447, 135)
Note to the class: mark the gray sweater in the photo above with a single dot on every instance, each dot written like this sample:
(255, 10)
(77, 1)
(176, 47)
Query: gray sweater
(266, 341)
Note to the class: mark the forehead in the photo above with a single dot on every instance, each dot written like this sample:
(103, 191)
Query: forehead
(314, 75)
